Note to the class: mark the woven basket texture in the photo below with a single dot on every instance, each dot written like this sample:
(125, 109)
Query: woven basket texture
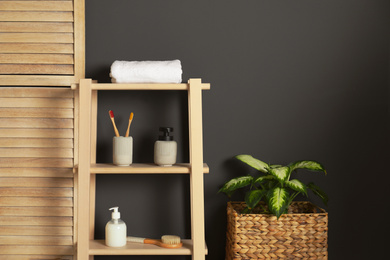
(300, 234)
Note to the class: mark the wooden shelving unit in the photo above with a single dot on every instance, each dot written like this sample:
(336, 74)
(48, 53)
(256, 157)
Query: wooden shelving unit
(87, 170)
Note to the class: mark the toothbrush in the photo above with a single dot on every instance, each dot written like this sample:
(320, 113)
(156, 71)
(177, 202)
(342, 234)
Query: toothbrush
(167, 241)
(113, 122)
(128, 127)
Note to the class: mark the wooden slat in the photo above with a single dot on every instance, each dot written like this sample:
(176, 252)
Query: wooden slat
(45, 250)
(36, 112)
(35, 231)
(36, 192)
(36, 172)
(36, 142)
(36, 69)
(36, 152)
(35, 123)
(35, 257)
(35, 202)
(36, 221)
(36, 27)
(37, 102)
(36, 162)
(36, 92)
(37, 211)
(36, 182)
(36, 240)
(36, 58)
(38, 133)
(36, 5)
(24, 16)
(36, 48)
(37, 37)
(63, 80)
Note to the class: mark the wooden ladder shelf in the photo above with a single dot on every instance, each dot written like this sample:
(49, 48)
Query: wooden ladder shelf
(87, 170)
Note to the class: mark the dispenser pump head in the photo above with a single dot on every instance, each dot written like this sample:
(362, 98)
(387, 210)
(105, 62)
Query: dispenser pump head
(115, 214)
(166, 136)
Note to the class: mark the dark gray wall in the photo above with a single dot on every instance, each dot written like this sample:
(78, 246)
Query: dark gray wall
(291, 80)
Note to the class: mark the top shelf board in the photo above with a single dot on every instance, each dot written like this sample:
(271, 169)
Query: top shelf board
(144, 86)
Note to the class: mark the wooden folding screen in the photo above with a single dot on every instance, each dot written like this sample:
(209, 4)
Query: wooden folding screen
(41, 42)
(41, 57)
(36, 173)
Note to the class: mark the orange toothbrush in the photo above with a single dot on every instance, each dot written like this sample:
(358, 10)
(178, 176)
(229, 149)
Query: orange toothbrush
(128, 127)
(113, 122)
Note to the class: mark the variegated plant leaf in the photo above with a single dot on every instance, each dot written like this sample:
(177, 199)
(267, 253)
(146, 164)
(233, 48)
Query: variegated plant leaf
(319, 192)
(297, 185)
(278, 199)
(308, 165)
(236, 183)
(263, 178)
(280, 173)
(253, 162)
(253, 197)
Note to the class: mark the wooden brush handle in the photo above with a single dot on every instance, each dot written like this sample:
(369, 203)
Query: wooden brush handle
(115, 129)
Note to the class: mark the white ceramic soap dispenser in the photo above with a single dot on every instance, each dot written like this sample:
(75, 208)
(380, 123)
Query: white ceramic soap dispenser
(116, 230)
(165, 149)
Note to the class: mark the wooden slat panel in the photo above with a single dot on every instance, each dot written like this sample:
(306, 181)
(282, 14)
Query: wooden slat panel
(36, 5)
(36, 69)
(36, 211)
(35, 202)
(37, 37)
(35, 231)
(36, 182)
(36, 152)
(36, 92)
(36, 27)
(11, 16)
(35, 123)
(38, 133)
(37, 102)
(36, 240)
(36, 172)
(45, 250)
(36, 221)
(35, 257)
(36, 142)
(36, 192)
(37, 112)
(36, 48)
(36, 58)
(36, 162)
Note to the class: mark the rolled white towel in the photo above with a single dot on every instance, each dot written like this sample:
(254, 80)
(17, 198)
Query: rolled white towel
(146, 71)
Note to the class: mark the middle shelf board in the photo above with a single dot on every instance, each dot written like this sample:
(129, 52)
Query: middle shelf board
(143, 168)
(98, 247)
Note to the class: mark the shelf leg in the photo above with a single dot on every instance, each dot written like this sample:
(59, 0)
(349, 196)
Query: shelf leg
(196, 161)
(85, 98)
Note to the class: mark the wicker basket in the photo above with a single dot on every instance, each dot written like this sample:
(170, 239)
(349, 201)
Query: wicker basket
(300, 234)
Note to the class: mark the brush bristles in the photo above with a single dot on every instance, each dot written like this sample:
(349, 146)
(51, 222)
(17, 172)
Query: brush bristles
(170, 239)
(111, 113)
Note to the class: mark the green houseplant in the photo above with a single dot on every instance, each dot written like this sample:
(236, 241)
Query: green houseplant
(270, 224)
(274, 185)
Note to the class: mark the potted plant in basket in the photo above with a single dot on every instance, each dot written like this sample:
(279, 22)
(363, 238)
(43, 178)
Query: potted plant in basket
(270, 224)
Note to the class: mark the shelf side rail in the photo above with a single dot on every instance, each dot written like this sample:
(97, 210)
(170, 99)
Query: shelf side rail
(83, 176)
(196, 162)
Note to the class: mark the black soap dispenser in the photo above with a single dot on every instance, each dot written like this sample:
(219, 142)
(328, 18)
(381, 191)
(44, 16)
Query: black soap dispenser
(165, 148)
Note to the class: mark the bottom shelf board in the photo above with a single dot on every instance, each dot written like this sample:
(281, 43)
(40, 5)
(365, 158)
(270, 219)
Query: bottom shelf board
(98, 247)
